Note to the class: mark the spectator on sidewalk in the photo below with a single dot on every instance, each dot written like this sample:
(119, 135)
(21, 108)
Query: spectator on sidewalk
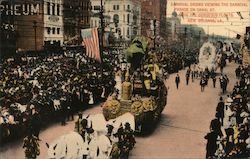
(220, 110)
(177, 81)
(202, 84)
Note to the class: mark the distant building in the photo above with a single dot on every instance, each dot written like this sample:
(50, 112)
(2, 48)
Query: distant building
(36, 23)
(153, 10)
(122, 17)
(176, 30)
(53, 22)
(76, 16)
(173, 23)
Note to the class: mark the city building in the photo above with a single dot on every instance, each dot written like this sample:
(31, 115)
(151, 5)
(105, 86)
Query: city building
(53, 22)
(173, 23)
(122, 17)
(76, 16)
(177, 31)
(21, 17)
(153, 10)
(37, 24)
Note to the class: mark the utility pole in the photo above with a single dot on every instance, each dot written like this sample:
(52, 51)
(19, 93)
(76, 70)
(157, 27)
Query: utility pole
(199, 39)
(154, 33)
(185, 35)
(102, 28)
(35, 26)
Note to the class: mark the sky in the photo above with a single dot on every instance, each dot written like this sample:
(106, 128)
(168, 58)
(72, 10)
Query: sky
(219, 17)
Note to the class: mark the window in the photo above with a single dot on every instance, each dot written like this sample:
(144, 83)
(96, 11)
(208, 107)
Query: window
(128, 31)
(48, 8)
(135, 20)
(96, 7)
(128, 7)
(53, 9)
(128, 19)
(116, 7)
(48, 30)
(116, 18)
(58, 30)
(53, 30)
(58, 9)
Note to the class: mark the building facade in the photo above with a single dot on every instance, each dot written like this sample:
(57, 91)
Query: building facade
(153, 10)
(76, 16)
(21, 16)
(53, 22)
(36, 23)
(122, 17)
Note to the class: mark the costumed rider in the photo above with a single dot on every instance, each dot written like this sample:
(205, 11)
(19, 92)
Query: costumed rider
(126, 88)
(81, 126)
(150, 77)
(137, 83)
(126, 141)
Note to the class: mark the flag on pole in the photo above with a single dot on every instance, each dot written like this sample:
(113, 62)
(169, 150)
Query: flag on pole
(239, 14)
(91, 43)
(182, 15)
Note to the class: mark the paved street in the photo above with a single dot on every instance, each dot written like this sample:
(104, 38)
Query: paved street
(180, 133)
(185, 121)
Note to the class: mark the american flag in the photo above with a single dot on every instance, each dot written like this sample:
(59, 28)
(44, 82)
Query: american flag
(91, 43)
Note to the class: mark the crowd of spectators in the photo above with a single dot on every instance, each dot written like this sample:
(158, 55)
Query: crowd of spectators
(229, 135)
(39, 89)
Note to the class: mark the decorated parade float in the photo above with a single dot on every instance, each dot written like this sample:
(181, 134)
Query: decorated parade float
(140, 88)
(135, 105)
(213, 56)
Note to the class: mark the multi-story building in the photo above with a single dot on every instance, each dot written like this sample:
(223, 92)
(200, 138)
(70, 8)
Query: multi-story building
(176, 29)
(153, 10)
(76, 16)
(122, 17)
(36, 23)
(173, 23)
(53, 22)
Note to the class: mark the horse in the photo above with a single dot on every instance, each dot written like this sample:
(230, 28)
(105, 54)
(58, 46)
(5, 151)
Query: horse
(72, 146)
(122, 120)
(69, 146)
(100, 147)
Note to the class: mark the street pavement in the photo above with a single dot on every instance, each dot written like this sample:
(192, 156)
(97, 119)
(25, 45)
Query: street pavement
(185, 121)
(179, 134)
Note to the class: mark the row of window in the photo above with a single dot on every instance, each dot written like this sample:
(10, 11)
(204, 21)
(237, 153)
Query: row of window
(116, 18)
(115, 7)
(53, 9)
(53, 30)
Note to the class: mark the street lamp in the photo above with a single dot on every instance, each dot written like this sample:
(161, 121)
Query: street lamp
(199, 39)
(35, 26)
(154, 32)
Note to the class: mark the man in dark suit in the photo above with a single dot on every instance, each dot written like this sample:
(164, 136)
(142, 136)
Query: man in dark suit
(220, 110)
(177, 80)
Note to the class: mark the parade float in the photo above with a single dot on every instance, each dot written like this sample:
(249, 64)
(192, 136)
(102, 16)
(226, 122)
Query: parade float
(141, 91)
(208, 57)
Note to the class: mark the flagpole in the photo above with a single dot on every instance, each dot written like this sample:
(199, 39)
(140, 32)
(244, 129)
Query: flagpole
(102, 29)
(101, 35)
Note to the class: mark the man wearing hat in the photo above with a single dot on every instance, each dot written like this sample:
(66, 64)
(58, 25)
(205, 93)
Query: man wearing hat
(220, 110)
